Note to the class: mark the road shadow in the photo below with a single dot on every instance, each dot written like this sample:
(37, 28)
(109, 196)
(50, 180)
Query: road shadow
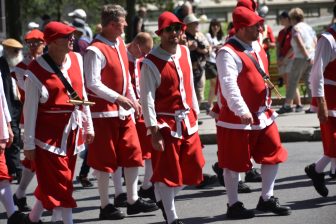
(200, 194)
(312, 203)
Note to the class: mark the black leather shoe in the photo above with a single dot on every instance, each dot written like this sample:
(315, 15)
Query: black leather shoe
(27, 220)
(16, 218)
(243, 188)
(110, 213)
(273, 205)
(141, 206)
(318, 180)
(21, 203)
(238, 211)
(219, 173)
(149, 193)
(121, 200)
(207, 180)
(252, 175)
(85, 182)
(285, 109)
(160, 205)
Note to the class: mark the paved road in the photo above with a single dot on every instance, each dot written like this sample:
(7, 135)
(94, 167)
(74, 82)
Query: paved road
(200, 206)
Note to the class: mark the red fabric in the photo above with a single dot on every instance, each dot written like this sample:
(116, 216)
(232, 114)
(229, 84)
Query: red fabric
(132, 68)
(181, 162)
(54, 175)
(244, 17)
(284, 36)
(57, 101)
(269, 35)
(3, 168)
(166, 19)
(169, 100)
(236, 147)
(115, 144)
(54, 30)
(34, 34)
(252, 88)
(111, 74)
(145, 140)
(28, 164)
(328, 131)
(250, 4)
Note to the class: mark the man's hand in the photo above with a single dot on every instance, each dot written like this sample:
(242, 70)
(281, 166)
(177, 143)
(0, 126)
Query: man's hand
(322, 112)
(3, 143)
(89, 138)
(11, 135)
(30, 154)
(125, 102)
(247, 118)
(157, 140)
(138, 109)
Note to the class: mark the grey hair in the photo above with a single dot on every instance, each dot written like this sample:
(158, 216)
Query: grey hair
(112, 12)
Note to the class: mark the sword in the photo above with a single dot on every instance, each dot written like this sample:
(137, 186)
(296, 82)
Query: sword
(81, 102)
(272, 87)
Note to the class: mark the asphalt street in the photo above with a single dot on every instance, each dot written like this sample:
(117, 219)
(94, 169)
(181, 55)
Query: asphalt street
(208, 205)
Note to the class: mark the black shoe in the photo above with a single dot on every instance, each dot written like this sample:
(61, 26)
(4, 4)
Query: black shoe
(16, 218)
(149, 193)
(285, 109)
(110, 213)
(273, 205)
(298, 108)
(85, 182)
(318, 180)
(27, 220)
(160, 205)
(243, 188)
(252, 175)
(219, 173)
(238, 211)
(332, 175)
(177, 221)
(309, 111)
(121, 200)
(21, 203)
(141, 206)
(207, 180)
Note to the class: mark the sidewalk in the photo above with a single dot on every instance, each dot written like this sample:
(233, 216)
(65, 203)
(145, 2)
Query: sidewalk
(293, 127)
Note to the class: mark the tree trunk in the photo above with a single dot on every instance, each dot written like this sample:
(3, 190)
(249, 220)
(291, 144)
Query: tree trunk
(13, 19)
(130, 8)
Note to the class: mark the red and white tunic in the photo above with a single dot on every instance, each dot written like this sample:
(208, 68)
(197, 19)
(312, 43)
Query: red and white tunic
(175, 100)
(323, 78)
(107, 77)
(243, 88)
(49, 117)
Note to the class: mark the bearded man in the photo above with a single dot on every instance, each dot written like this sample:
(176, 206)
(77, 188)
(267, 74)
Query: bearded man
(11, 57)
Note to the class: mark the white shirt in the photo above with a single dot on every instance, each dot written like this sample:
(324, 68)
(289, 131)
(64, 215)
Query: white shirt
(94, 62)
(150, 80)
(37, 93)
(325, 53)
(4, 113)
(213, 41)
(229, 65)
(308, 37)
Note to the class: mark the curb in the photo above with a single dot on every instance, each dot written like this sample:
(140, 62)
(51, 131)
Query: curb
(302, 135)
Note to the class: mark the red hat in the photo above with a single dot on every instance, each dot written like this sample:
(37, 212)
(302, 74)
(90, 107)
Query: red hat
(54, 30)
(166, 19)
(250, 4)
(34, 34)
(243, 17)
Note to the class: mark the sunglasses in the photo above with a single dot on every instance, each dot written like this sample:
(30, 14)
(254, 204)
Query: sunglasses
(34, 44)
(175, 27)
(69, 37)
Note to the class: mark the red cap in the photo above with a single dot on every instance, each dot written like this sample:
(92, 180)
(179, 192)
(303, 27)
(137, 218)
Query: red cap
(166, 19)
(243, 17)
(54, 30)
(250, 4)
(34, 34)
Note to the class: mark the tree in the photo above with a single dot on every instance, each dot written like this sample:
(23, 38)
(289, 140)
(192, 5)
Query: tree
(13, 18)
